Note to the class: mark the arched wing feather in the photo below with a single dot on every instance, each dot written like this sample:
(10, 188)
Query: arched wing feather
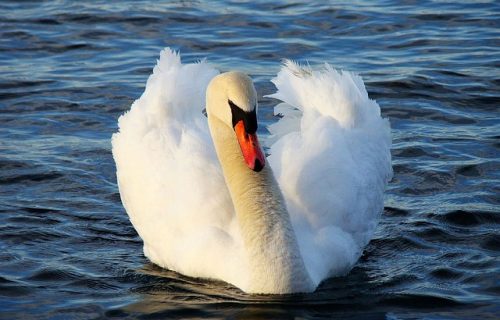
(170, 180)
(330, 153)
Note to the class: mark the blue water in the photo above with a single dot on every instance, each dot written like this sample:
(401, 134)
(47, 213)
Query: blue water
(68, 69)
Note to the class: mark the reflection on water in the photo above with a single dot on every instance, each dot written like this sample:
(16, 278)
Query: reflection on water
(69, 69)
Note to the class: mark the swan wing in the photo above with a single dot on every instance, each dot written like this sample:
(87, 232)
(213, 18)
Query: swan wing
(330, 152)
(169, 178)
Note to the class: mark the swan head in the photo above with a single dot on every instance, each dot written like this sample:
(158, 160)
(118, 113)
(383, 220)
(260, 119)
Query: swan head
(231, 97)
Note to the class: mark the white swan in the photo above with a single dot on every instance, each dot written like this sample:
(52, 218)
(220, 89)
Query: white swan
(214, 209)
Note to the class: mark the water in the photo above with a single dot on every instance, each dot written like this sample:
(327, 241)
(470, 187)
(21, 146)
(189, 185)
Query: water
(69, 69)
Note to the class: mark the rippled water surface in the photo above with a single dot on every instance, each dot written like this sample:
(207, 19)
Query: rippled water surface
(68, 69)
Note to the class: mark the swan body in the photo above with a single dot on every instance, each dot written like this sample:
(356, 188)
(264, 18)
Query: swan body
(207, 203)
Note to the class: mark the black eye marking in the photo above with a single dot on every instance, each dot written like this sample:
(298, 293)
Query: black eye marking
(249, 118)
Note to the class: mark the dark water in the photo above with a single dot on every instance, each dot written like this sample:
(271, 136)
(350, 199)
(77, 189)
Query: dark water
(68, 69)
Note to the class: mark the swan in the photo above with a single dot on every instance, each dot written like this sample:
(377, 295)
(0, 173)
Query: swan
(208, 203)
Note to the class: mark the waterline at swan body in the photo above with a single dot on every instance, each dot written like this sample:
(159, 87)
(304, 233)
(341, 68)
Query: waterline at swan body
(206, 201)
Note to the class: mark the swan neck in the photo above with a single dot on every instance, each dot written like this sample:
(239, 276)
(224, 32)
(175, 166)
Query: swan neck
(274, 258)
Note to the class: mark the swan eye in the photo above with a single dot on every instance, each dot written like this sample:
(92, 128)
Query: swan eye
(249, 118)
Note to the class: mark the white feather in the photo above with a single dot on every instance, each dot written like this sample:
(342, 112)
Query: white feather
(332, 161)
(329, 153)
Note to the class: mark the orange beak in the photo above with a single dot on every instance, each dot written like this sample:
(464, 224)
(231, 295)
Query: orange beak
(250, 147)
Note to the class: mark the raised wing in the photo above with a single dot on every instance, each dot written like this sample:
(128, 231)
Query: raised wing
(331, 157)
(170, 181)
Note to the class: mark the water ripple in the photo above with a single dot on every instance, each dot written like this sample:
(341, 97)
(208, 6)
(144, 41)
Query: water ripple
(69, 69)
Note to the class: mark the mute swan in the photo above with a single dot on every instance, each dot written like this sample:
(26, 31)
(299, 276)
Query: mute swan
(206, 201)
